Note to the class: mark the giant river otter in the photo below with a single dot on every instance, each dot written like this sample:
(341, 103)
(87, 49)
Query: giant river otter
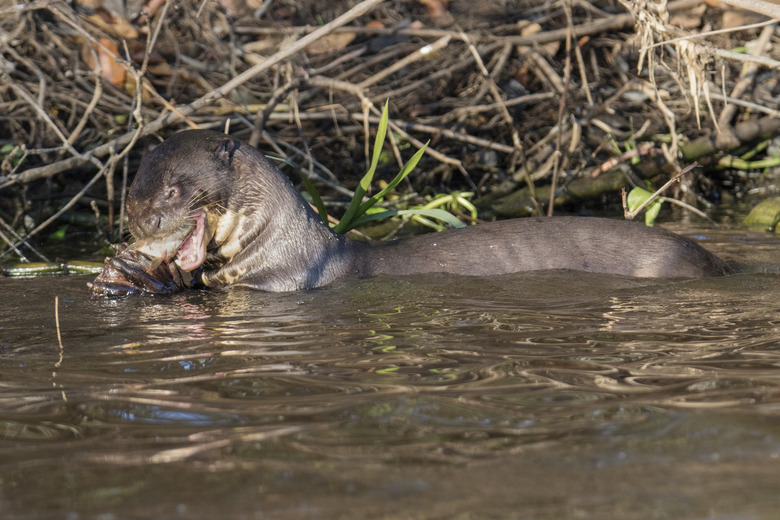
(206, 203)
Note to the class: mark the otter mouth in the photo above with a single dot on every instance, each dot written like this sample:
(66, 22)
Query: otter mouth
(187, 247)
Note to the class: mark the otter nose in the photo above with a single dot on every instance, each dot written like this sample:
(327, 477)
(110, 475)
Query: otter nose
(141, 223)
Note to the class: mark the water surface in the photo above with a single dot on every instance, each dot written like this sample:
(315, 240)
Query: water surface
(543, 395)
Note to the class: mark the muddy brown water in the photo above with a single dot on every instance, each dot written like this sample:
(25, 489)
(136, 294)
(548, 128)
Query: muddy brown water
(543, 395)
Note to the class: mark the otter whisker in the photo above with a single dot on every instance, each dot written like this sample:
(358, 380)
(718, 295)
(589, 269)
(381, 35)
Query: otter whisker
(201, 202)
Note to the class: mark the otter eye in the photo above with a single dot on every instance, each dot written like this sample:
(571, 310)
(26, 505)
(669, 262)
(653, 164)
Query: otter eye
(173, 192)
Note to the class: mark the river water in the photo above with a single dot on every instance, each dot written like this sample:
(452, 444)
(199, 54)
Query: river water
(542, 395)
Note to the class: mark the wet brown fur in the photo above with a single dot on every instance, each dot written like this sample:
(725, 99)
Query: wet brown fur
(270, 239)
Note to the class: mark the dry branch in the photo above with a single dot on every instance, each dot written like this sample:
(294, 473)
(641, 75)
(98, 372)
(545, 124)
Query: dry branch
(169, 119)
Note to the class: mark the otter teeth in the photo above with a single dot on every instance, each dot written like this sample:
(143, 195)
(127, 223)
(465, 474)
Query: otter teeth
(188, 259)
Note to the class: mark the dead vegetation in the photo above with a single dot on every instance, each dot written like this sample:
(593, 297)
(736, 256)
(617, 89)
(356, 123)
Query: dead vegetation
(533, 106)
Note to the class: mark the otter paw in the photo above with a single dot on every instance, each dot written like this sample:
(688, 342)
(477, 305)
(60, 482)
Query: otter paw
(130, 272)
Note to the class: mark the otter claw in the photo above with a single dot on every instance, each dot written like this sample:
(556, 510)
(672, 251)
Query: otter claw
(130, 273)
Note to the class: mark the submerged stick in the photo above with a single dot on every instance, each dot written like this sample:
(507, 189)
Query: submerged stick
(57, 320)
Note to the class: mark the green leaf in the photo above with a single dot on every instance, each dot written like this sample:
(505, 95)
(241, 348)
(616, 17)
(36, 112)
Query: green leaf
(406, 170)
(637, 197)
(438, 214)
(360, 212)
(59, 234)
(352, 212)
(370, 217)
(425, 221)
(651, 212)
(454, 200)
(6, 150)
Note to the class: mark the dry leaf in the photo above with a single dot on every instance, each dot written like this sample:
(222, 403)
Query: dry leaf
(113, 24)
(331, 42)
(89, 5)
(107, 53)
(137, 51)
(735, 17)
(531, 28)
(151, 8)
(739, 17)
(232, 7)
(435, 8)
(262, 44)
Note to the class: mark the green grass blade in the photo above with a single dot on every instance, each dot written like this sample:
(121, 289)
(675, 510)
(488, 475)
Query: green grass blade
(365, 219)
(353, 211)
(438, 214)
(406, 170)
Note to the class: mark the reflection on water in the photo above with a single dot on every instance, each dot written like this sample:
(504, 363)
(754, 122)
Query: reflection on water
(547, 395)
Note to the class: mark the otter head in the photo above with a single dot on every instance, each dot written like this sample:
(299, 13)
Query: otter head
(177, 195)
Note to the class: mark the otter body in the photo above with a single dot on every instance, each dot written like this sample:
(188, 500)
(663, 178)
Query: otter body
(218, 207)
(596, 245)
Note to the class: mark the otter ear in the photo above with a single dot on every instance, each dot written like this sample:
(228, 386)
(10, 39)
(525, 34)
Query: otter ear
(227, 149)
